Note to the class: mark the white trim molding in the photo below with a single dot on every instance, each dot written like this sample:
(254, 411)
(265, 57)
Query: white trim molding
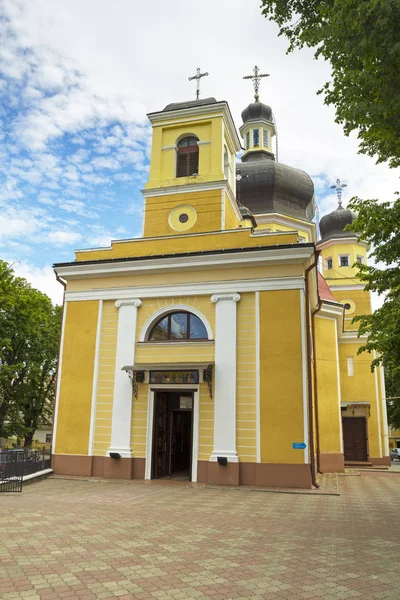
(341, 240)
(59, 372)
(95, 379)
(125, 355)
(378, 408)
(191, 289)
(217, 297)
(166, 310)
(295, 254)
(225, 377)
(384, 411)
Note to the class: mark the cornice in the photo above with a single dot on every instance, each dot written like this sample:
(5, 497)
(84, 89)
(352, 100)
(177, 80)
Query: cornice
(198, 113)
(254, 257)
(341, 240)
(206, 288)
(186, 188)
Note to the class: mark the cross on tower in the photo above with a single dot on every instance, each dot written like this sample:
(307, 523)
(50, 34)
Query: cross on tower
(338, 186)
(198, 76)
(256, 80)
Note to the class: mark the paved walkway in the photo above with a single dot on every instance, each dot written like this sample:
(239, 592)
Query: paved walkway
(69, 539)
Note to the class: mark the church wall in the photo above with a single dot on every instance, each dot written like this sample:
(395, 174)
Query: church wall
(362, 387)
(209, 131)
(105, 386)
(337, 274)
(75, 396)
(207, 205)
(239, 238)
(231, 220)
(186, 277)
(277, 227)
(281, 381)
(360, 304)
(206, 428)
(328, 390)
(246, 424)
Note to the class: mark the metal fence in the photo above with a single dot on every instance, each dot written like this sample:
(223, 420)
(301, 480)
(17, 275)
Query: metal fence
(15, 464)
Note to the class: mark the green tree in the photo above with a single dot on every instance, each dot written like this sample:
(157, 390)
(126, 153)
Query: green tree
(29, 336)
(393, 392)
(361, 41)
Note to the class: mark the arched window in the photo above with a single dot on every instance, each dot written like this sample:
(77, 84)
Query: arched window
(178, 326)
(187, 161)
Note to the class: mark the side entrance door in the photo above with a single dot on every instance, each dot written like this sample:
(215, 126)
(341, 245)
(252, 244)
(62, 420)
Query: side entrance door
(355, 439)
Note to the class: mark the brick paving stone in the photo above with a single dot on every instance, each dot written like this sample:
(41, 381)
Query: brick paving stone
(70, 538)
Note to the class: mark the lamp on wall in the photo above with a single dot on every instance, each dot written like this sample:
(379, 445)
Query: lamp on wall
(222, 460)
(115, 455)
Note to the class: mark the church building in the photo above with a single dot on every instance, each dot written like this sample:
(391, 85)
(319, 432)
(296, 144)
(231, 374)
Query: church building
(218, 347)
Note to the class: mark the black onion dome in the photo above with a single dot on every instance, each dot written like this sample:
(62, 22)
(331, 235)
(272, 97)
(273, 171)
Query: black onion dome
(266, 186)
(256, 111)
(332, 225)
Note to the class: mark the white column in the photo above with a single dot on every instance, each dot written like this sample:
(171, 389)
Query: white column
(122, 405)
(225, 377)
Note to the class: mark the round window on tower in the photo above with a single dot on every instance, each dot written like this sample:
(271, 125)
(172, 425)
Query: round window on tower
(349, 306)
(182, 218)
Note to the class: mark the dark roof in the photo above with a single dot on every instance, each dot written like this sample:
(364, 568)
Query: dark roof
(267, 186)
(333, 225)
(189, 104)
(256, 111)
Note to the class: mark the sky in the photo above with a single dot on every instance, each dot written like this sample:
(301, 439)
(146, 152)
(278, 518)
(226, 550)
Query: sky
(77, 78)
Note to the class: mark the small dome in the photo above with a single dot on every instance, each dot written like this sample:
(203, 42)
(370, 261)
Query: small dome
(333, 225)
(256, 111)
(266, 186)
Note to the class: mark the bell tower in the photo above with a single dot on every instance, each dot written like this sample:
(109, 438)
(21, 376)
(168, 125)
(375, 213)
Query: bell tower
(340, 252)
(192, 182)
(258, 127)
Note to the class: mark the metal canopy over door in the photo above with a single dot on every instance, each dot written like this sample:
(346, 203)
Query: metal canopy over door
(355, 439)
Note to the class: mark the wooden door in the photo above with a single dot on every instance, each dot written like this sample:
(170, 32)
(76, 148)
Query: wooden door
(355, 439)
(160, 436)
(181, 446)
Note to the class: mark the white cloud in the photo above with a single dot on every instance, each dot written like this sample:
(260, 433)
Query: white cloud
(63, 237)
(79, 84)
(41, 278)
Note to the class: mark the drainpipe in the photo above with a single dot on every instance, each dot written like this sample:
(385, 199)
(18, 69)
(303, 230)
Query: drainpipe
(64, 284)
(309, 345)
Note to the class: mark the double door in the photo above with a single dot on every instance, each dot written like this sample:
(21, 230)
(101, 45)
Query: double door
(172, 434)
(355, 439)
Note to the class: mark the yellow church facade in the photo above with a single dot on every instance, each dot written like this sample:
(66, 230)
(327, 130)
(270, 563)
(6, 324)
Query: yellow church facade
(211, 349)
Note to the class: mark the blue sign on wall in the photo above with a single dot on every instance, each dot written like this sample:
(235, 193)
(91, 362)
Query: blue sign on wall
(299, 446)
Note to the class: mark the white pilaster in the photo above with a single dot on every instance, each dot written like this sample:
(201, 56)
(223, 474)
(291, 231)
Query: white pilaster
(225, 377)
(384, 411)
(122, 405)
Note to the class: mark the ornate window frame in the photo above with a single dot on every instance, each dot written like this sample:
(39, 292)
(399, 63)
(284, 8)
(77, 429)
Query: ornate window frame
(162, 312)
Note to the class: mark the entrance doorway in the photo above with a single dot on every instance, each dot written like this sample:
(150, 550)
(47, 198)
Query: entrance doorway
(172, 435)
(355, 439)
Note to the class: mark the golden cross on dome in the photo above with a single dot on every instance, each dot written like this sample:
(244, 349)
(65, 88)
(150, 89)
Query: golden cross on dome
(198, 76)
(338, 186)
(256, 81)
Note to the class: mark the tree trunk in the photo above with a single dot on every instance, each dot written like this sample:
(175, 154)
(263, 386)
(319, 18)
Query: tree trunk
(28, 439)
